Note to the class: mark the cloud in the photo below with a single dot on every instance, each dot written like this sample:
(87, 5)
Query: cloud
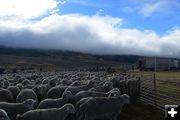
(27, 9)
(99, 12)
(158, 6)
(92, 34)
(62, 2)
(151, 8)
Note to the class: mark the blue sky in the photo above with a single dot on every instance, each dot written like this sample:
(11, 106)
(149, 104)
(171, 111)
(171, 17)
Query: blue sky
(138, 27)
(161, 19)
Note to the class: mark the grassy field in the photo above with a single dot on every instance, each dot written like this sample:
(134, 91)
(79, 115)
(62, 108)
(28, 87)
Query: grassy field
(167, 84)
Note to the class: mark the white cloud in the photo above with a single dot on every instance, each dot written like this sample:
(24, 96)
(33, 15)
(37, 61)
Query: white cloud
(62, 2)
(54, 11)
(27, 9)
(101, 10)
(150, 8)
(92, 34)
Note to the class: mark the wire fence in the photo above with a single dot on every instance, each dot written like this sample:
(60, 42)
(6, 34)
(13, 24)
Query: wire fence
(159, 92)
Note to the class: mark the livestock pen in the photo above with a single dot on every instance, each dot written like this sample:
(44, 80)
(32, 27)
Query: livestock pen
(159, 88)
(148, 90)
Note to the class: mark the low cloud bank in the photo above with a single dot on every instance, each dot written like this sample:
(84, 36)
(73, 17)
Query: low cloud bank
(91, 34)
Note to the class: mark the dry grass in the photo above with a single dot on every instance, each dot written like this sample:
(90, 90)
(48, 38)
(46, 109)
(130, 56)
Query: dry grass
(168, 84)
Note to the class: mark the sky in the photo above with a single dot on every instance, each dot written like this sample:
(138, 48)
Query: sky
(135, 27)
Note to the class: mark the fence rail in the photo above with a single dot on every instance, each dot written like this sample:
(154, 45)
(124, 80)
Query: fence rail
(156, 94)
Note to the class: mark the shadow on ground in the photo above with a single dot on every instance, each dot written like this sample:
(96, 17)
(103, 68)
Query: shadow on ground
(141, 111)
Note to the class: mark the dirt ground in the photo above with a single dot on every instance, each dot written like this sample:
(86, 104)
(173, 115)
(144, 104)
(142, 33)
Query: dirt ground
(141, 111)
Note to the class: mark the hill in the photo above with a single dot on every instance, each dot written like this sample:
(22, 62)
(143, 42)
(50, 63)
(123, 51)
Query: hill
(14, 56)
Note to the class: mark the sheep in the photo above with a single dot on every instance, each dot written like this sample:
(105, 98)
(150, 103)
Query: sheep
(29, 86)
(20, 86)
(45, 81)
(76, 83)
(105, 88)
(13, 109)
(3, 115)
(103, 108)
(38, 82)
(1, 84)
(48, 114)
(121, 84)
(56, 92)
(76, 89)
(113, 93)
(14, 90)
(92, 89)
(26, 94)
(83, 100)
(116, 80)
(25, 82)
(17, 77)
(83, 94)
(66, 82)
(55, 103)
(6, 96)
(6, 84)
(115, 89)
(17, 82)
(41, 90)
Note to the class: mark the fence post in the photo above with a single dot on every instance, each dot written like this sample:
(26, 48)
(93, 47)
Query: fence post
(155, 89)
(139, 87)
(140, 81)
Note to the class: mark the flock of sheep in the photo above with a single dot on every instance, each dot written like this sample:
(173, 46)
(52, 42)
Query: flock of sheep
(66, 95)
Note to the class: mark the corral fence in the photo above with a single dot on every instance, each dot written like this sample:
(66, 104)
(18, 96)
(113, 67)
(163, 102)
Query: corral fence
(156, 92)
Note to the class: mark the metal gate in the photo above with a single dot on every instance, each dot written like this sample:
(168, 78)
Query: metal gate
(153, 93)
